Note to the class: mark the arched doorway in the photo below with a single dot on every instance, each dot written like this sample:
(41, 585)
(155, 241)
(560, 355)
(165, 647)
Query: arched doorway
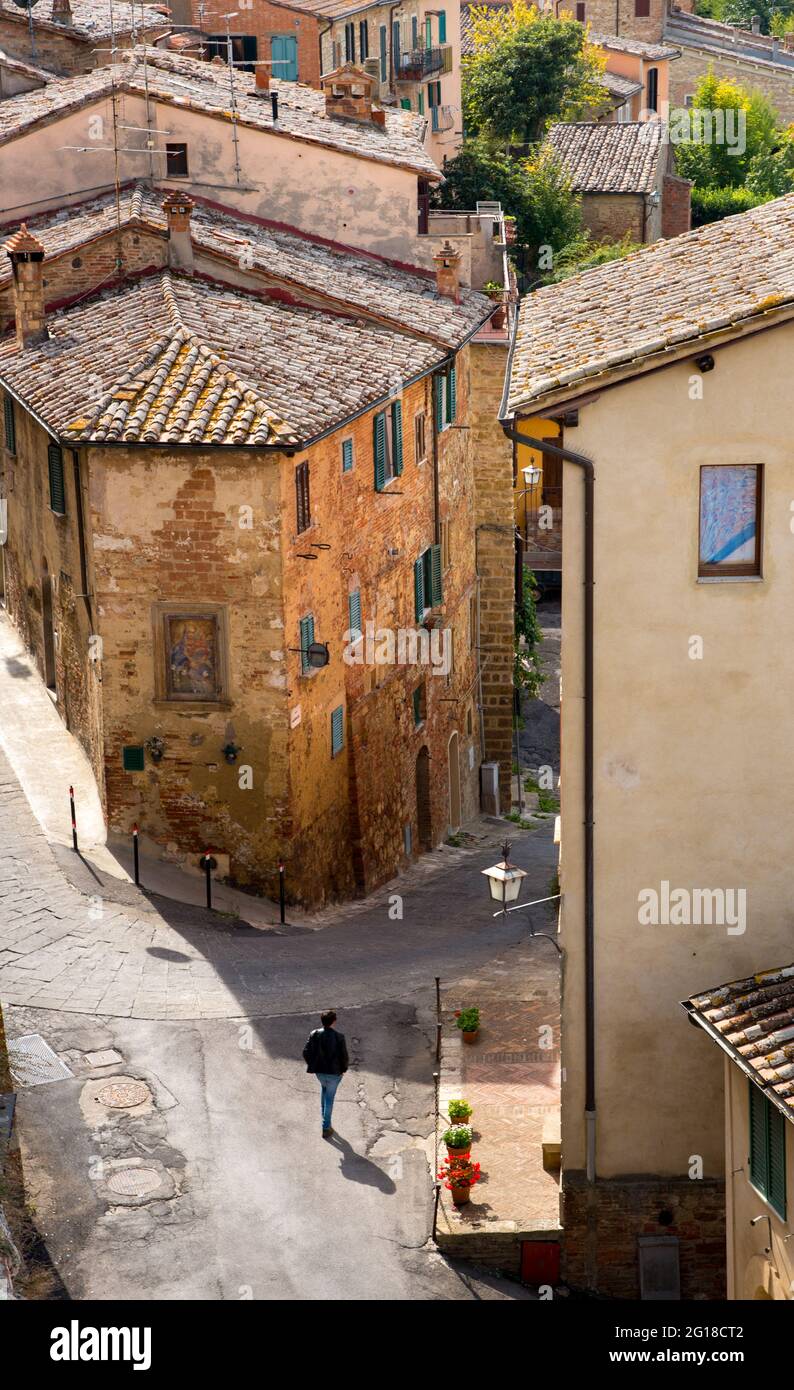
(424, 819)
(47, 626)
(454, 782)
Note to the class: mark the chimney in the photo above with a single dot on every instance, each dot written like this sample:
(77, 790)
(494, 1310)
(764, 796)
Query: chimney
(447, 263)
(348, 93)
(27, 257)
(61, 12)
(177, 209)
(262, 79)
(755, 23)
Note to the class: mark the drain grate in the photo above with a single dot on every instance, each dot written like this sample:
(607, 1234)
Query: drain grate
(134, 1182)
(33, 1062)
(122, 1095)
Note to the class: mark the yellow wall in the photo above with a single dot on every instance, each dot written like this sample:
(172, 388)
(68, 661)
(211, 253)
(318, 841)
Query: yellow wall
(526, 458)
(752, 1274)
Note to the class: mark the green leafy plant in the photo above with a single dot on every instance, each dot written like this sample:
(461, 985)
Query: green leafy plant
(527, 668)
(458, 1137)
(459, 1111)
(467, 1020)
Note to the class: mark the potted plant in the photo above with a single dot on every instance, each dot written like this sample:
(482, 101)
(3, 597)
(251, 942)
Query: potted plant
(496, 292)
(459, 1112)
(468, 1021)
(459, 1175)
(458, 1140)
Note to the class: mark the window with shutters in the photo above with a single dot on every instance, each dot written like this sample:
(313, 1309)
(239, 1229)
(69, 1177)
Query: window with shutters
(652, 100)
(420, 705)
(363, 39)
(414, 32)
(306, 627)
(580, 15)
(354, 615)
(442, 26)
(642, 9)
(350, 43)
(244, 49)
(10, 424)
(176, 161)
(387, 444)
(767, 1150)
(57, 481)
(427, 582)
(347, 455)
(303, 516)
(420, 437)
(445, 388)
(337, 730)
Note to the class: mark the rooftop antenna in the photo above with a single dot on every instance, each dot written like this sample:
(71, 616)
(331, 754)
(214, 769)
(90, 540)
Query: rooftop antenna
(28, 5)
(232, 14)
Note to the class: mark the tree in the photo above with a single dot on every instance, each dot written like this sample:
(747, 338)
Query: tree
(527, 69)
(725, 130)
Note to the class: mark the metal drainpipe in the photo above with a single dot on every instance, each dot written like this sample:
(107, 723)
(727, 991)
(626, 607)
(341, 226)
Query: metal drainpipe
(581, 461)
(320, 36)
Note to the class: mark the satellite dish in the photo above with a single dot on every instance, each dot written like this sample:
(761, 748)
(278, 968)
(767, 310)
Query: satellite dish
(25, 4)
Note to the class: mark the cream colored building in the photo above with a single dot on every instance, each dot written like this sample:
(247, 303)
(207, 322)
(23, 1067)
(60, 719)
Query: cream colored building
(752, 1021)
(669, 376)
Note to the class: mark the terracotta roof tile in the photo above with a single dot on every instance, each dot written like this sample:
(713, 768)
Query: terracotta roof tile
(91, 19)
(621, 44)
(174, 360)
(619, 315)
(619, 158)
(754, 1020)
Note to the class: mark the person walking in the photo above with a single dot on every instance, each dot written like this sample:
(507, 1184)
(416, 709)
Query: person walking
(325, 1055)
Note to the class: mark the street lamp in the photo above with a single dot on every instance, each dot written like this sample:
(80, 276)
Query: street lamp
(532, 475)
(504, 881)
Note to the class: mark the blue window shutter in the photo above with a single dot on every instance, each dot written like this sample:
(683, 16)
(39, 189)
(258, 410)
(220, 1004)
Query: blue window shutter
(397, 435)
(10, 426)
(452, 394)
(435, 564)
(442, 26)
(419, 589)
(354, 610)
(438, 392)
(307, 637)
(337, 730)
(57, 486)
(379, 449)
(347, 455)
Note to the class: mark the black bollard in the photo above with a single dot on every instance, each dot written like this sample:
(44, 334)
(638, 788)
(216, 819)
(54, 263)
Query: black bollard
(74, 818)
(208, 872)
(135, 854)
(282, 892)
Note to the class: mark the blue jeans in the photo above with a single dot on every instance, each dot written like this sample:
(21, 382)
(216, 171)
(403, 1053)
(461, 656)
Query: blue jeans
(328, 1084)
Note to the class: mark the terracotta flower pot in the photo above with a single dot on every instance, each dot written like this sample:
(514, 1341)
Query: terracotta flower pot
(470, 1035)
(460, 1195)
(459, 1153)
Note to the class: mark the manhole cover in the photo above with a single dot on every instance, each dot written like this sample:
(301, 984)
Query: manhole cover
(32, 1061)
(134, 1182)
(122, 1095)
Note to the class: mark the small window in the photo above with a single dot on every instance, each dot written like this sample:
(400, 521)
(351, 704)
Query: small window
(176, 161)
(337, 730)
(420, 705)
(653, 89)
(132, 759)
(57, 482)
(768, 1150)
(427, 581)
(306, 639)
(420, 437)
(445, 386)
(302, 501)
(730, 520)
(347, 455)
(350, 43)
(387, 445)
(445, 549)
(642, 9)
(354, 614)
(363, 39)
(580, 13)
(10, 424)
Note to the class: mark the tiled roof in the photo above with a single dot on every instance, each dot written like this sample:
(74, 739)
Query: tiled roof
(91, 19)
(198, 86)
(620, 87)
(170, 359)
(610, 158)
(622, 315)
(328, 9)
(39, 75)
(347, 278)
(621, 44)
(754, 1020)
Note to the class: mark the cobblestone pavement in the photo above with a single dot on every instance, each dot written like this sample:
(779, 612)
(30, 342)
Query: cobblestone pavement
(107, 949)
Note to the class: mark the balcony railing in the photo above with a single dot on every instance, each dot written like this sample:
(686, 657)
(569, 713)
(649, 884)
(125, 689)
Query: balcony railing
(441, 118)
(419, 63)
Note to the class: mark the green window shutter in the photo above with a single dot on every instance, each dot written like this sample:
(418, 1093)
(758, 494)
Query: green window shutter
(397, 435)
(347, 455)
(132, 759)
(759, 1140)
(354, 610)
(452, 394)
(419, 589)
(442, 26)
(379, 450)
(307, 637)
(438, 391)
(420, 98)
(435, 564)
(10, 426)
(405, 103)
(337, 730)
(57, 485)
(776, 1185)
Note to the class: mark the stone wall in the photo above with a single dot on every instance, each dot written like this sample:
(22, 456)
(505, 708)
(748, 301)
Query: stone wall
(676, 206)
(776, 83)
(611, 216)
(620, 17)
(76, 272)
(601, 1223)
(58, 50)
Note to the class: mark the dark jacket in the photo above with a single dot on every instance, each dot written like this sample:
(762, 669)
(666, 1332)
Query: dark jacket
(326, 1050)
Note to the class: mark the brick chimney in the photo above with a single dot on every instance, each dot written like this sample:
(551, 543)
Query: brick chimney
(178, 209)
(27, 263)
(447, 263)
(262, 79)
(61, 12)
(348, 93)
